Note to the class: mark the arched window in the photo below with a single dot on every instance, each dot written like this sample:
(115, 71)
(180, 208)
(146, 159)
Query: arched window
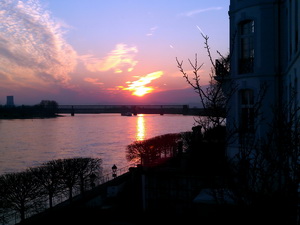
(246, 53)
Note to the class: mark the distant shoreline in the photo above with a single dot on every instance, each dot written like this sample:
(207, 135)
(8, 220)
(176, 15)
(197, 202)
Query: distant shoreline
(27, 113)
(9, 117)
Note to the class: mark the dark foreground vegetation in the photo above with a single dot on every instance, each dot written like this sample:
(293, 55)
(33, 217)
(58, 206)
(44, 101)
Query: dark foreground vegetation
(38, 188)
(45, 109)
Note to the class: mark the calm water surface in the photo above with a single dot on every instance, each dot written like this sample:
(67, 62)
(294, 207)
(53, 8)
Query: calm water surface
(30, 142)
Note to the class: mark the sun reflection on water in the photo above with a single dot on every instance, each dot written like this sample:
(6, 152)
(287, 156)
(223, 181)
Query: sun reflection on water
(140, 128)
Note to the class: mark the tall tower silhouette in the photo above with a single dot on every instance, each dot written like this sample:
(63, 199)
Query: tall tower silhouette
(10, 101)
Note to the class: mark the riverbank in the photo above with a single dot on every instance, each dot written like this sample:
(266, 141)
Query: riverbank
(164, 193)
(169, 193)
(120, 201)
(26, 113)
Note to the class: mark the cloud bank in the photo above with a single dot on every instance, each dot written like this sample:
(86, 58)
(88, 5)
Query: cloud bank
(32, 46)
(120, 58)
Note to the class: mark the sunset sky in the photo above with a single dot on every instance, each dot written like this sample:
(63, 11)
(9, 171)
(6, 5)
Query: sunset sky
(106, 51)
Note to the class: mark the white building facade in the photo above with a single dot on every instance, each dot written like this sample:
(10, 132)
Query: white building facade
(265, 50)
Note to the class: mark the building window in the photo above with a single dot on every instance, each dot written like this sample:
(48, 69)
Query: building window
(247, 111)
(246, 61)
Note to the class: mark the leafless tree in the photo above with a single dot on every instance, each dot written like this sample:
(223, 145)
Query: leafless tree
(48, 177)
(75, 172)
(4, 204)
(213, 97)
(48, 107)
(152, 150)
(20, 191)
(265, 173)
(26, 192)
(68, 173)
(89, 169)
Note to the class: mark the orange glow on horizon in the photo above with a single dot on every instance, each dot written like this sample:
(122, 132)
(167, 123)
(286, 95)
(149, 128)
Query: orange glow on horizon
(139, 88)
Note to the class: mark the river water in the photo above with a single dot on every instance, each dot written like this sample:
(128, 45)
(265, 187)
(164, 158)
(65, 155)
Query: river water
(29, 142)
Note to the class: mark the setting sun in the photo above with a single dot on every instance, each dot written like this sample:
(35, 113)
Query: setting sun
(141, 91)
(139, 88)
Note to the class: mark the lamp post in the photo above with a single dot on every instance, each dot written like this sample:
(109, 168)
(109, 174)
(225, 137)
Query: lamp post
(114, 171)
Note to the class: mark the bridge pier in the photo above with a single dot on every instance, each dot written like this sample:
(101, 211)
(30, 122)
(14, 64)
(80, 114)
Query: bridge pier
(72, 111)
(161, 110)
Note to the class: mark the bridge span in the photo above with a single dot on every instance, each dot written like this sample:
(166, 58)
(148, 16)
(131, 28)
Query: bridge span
(134, 109)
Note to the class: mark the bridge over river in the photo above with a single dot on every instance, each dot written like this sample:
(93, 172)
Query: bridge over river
(133, 109)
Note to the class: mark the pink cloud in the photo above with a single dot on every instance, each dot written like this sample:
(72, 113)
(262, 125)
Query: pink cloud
(31, 41)
(119, 59)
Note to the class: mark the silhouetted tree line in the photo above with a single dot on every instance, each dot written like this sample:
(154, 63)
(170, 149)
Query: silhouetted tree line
(46, 108)
(154, 150)
(28, 191)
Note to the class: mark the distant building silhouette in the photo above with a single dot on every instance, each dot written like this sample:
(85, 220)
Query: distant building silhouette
(265, 50)
(10, 101)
